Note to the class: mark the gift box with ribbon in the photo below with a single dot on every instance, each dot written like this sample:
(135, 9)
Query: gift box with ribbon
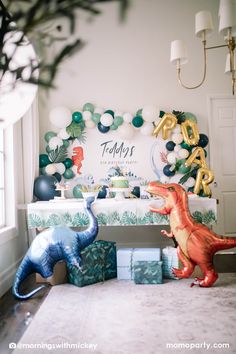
(126, 257)
(170, 260)
(98, 264)
(148, 272)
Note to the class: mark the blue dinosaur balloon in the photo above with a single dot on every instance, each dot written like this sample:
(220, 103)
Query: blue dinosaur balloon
(53, 245)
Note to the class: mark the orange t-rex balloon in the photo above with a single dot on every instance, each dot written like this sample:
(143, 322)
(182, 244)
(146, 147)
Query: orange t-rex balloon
(196, 243)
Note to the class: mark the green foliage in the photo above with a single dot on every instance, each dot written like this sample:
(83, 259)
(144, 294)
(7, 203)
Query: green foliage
(40, 22)
(58, 155)
(74, 130)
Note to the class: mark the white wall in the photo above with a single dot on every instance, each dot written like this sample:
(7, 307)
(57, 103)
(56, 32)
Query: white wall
(126, 65)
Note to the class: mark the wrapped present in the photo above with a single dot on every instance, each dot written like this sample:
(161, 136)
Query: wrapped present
(127, 256)
(170, 260)
(148, 272)
(98, 264)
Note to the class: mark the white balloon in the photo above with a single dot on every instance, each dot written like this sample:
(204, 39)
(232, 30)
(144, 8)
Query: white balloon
(87, 115)
(55, 142)
(171, 157)
(99, 110)
(183, 153)
(89, 124)
(147, 128)
(60, 168)
(177, 138)
(60, 117)
(106, 119)
(164, 179)
(177, 129)
(150, 113)
(63, 134)
(190, 182)
(177, 148)
(50, 169)
(127, 117)
(126, 131)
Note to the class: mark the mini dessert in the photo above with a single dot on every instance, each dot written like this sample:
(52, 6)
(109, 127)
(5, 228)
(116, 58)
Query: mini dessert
(119, 182)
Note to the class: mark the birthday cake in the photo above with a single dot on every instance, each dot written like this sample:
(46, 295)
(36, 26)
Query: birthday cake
(119, 182)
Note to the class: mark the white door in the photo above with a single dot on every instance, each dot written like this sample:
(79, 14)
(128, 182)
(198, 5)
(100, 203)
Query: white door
(222, 137)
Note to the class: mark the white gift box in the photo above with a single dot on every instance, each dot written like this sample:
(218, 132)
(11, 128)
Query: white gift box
(127, 256)
(170, 260)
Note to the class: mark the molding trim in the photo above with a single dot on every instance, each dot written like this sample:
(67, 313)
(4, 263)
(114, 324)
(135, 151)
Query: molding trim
(7, 276)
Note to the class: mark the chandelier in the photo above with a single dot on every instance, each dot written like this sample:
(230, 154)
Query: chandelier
(203, 28)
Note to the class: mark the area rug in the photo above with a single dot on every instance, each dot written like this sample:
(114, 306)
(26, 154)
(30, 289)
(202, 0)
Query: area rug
(119, 317)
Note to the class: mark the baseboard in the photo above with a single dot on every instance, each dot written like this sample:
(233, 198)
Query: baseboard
(7, 277)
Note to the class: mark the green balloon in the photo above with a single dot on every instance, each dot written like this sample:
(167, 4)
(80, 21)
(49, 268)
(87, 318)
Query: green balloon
(96, 118)
(113, 127)
(43, 160)
(77, 191)
(183, 168)
(77, 117)
(190, 116)
(139, 112)
(110, 112)
(118, 120)
(186, 146)
(137, 121)
(49, 135)
(68, 163)
(66, 143)
(88, 107)
(68, 174)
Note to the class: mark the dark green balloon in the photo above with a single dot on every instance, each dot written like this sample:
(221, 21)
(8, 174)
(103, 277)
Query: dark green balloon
(68, 174)
(66, 143)
(137, 121)
(110, 112)
(43, 160)
(49, 135)
(68, 163)
(186, 146)
(77, 117)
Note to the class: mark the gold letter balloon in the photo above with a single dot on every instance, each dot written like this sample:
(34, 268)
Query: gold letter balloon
(167, 123)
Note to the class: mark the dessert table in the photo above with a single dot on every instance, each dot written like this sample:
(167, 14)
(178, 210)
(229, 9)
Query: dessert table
(112, 212)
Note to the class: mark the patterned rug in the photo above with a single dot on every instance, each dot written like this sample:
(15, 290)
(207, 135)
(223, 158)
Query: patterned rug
(119, 317)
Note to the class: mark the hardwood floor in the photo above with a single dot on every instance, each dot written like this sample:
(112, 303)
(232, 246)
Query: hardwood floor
(16, 315)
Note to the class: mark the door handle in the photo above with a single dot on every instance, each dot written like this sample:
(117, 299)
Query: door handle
(215, 184)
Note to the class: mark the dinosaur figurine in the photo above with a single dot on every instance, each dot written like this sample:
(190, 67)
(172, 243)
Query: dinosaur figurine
(53, 245)
(196, 243)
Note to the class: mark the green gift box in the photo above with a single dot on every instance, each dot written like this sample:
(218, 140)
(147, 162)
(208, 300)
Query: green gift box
(98, 264)
(148, 272)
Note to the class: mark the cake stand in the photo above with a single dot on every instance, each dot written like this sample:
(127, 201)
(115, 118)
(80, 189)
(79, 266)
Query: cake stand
(120, 192)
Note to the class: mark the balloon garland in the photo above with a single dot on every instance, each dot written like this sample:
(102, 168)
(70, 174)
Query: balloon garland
(185, 152)
(185, 146)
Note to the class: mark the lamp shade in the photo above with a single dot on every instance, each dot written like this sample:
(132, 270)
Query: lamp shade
(178, 52)
(227, 64)
(203, 23)
(227, 16)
